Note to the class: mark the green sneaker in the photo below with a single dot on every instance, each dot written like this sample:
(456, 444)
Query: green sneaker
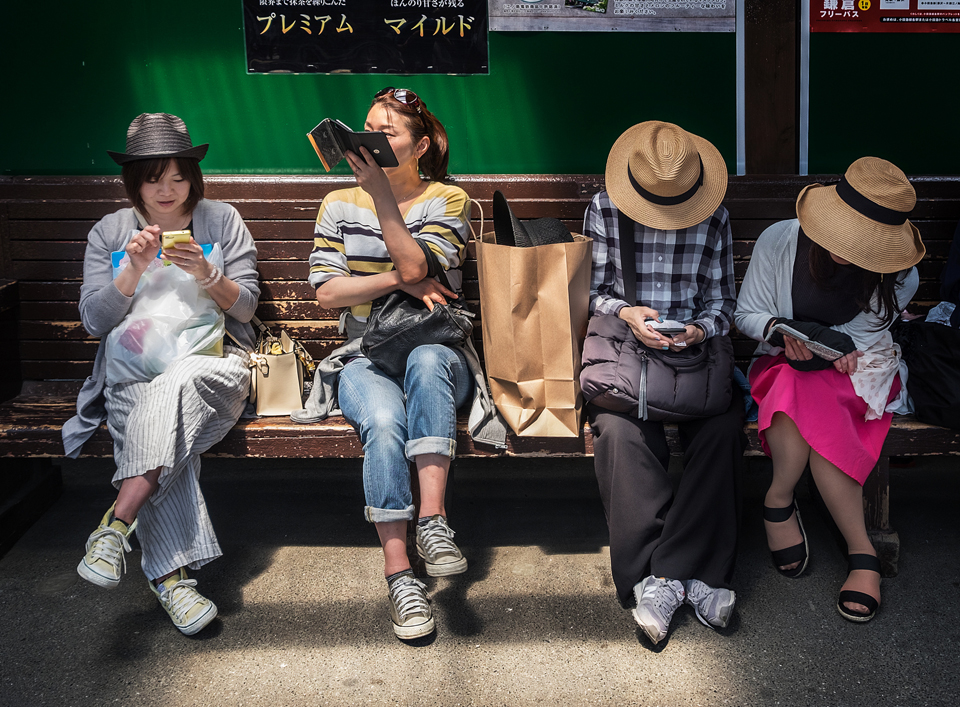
(105, 561)
(189, 610)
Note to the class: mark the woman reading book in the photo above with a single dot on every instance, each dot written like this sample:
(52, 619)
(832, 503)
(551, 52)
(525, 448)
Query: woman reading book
(365, 248)
(839, 275)
(161, 423)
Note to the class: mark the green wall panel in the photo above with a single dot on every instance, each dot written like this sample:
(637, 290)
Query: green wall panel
(893, 96)
(553, 102)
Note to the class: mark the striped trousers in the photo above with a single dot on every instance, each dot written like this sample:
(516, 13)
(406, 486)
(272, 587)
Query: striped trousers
(167, 423)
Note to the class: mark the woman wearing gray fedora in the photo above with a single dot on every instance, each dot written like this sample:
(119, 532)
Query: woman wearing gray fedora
(663, 192)
(162, 417)
(838, 275)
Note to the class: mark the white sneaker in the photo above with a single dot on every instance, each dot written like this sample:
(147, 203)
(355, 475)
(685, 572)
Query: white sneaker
(105, 562)
(409, 608)
(713, 607)
(435, 545)
(189, 610)
(657, 599)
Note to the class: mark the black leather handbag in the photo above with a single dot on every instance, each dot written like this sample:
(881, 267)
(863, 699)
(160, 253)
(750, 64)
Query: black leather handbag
(400, 323)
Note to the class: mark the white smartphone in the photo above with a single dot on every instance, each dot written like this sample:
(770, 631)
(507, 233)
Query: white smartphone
(821, 350)
(668, 327)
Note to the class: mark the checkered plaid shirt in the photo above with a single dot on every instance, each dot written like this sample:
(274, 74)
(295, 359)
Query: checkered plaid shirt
(686, 275)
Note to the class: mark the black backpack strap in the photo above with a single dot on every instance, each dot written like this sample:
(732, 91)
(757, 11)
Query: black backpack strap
(628, 257)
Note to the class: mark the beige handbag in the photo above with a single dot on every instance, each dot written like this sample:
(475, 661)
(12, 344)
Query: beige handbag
(276, 381)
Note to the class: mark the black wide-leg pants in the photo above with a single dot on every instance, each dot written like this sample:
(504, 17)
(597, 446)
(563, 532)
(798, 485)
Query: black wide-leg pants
(690, 535)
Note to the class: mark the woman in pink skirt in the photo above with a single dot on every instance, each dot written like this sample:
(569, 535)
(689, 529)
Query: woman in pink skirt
(838, 275)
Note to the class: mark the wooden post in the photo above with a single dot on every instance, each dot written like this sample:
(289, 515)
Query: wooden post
(771, 86)
(876, 512)
(10, 353)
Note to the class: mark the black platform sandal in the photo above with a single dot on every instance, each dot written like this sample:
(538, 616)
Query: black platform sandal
(797, 553)
(859, 562)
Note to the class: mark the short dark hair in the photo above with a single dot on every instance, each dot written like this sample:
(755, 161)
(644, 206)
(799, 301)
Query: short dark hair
(135, 173)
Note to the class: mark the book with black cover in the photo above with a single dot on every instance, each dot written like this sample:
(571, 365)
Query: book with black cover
(331, 139)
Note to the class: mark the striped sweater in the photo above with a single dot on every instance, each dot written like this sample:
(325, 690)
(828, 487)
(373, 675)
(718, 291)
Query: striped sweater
(348, 241)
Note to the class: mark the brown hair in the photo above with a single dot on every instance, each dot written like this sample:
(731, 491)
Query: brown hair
(422, 123)
(822, 267)
(135, 173)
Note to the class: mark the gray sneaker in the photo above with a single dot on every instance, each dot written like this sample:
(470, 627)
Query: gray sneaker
(657, 599)
(435, 545)
(409, 608)
(713, 607)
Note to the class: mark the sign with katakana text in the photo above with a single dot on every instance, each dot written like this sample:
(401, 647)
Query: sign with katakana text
(613, 15)
(366, 36)
(885, 15)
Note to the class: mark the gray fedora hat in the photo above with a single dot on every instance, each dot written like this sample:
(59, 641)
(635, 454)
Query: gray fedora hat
(155, 136)
(510, 230)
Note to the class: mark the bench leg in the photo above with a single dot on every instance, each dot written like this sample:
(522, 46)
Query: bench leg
(876, 511)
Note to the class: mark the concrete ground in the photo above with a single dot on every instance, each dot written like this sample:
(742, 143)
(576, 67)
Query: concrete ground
(303, 607)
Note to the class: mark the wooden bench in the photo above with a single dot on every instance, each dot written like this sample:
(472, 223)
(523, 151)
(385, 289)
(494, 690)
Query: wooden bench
(44, 222)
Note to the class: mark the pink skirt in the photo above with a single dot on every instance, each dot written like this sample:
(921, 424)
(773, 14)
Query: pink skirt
(826, 410)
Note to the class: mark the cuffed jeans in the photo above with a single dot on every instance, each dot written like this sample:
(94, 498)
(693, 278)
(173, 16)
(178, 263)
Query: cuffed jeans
(398, 420)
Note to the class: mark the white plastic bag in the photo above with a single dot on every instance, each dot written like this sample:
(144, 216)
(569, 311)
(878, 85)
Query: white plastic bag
(170, 318)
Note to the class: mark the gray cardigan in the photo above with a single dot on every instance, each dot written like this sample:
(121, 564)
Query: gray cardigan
(103, 306)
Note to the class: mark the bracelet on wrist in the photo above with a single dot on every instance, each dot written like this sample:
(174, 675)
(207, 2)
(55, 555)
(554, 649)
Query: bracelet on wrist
(209, 282)
(210, 277)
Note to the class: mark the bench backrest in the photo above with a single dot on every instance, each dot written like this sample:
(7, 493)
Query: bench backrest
(44, 223)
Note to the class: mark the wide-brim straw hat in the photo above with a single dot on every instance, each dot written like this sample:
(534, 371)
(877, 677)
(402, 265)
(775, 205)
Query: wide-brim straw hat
(663, 177)
(157, 136)
(863, 219)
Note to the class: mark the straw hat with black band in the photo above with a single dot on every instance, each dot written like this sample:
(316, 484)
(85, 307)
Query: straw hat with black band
(663, 177)
(157, 136)
(863, 219)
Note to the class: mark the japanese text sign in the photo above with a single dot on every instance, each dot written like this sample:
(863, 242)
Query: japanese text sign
(366, 36)
(885, 15)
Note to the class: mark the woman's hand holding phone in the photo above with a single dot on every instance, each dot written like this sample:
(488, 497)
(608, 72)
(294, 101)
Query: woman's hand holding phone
(640, 319)
(796, 350)
(688, 337)
(189, 258)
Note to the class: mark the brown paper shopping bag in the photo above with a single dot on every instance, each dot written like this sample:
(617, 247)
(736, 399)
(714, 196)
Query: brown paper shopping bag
(533, 304)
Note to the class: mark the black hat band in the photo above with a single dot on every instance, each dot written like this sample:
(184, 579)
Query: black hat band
(871, 209)
(667, 200)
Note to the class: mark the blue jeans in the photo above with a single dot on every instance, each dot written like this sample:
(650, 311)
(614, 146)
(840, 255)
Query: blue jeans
(398, 420)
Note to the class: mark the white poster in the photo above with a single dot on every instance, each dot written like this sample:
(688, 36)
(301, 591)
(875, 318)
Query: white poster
(613, 15)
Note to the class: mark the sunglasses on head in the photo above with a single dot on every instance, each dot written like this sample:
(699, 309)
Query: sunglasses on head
(401, 95)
